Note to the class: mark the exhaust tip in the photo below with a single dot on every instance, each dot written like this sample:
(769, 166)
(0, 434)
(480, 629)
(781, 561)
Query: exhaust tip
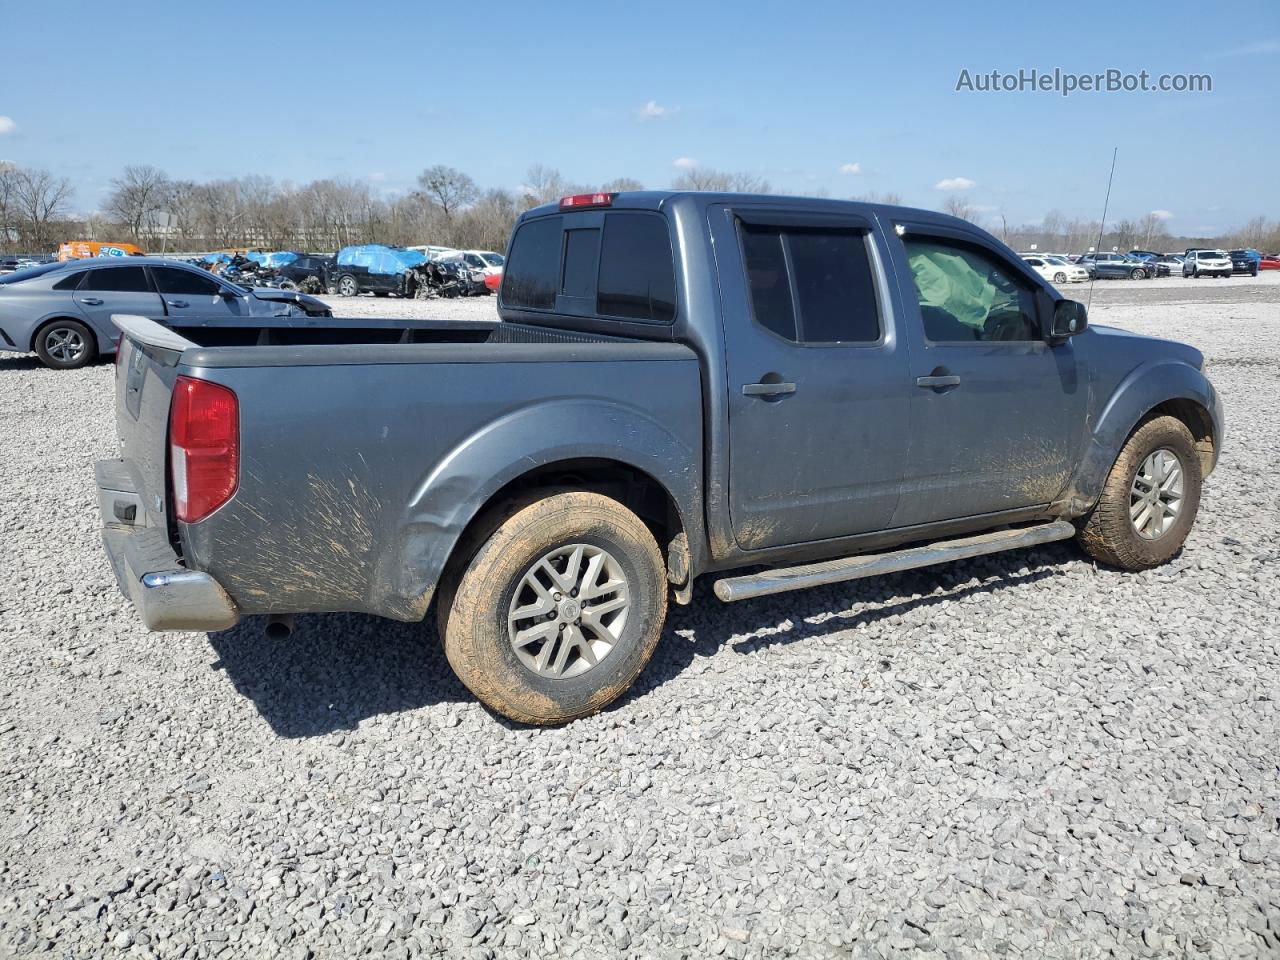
(279, 626)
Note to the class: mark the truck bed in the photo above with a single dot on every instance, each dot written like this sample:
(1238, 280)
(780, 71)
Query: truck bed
(364, 443)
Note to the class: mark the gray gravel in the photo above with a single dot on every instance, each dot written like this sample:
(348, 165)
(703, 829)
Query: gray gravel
(1022, 754)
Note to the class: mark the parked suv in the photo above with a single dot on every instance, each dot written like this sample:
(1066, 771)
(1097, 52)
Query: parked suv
(1247, 261)
(779, 392)
(1207, 263)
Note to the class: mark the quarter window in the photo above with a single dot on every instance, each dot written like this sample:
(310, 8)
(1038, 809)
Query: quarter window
(811, 285)
(71, 282)
(967, 295)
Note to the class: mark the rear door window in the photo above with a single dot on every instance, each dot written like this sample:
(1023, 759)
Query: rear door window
(811, 285)
(118, 280)
(637, 273)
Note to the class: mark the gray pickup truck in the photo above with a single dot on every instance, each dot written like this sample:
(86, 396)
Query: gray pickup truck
(786, 392)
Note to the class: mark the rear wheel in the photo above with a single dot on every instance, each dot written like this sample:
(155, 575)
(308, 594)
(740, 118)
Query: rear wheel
(1150, 499)
(347, 286)
(66, 345)
(558, 609)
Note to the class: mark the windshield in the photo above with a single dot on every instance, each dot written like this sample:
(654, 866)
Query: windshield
(1211, 255)
(1057, 261)
(492, 259)
(30, 272)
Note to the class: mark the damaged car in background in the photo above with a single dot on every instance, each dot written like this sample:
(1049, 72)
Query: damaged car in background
(384, 270)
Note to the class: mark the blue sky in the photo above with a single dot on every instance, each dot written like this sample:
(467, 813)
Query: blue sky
(791, 92)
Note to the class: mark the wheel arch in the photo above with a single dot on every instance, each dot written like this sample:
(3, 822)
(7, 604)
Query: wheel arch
(609, 448)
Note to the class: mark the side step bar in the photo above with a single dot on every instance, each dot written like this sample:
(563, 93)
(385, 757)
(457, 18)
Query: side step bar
(873, 564)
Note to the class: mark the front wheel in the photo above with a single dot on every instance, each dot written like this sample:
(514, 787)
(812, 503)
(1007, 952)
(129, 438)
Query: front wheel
(558, 610)
(1149, 500)
(1059, 278)
(66, 345)
(1138, 275)
(347, 286)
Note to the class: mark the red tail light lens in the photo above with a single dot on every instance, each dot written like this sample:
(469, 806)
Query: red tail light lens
(204, 447)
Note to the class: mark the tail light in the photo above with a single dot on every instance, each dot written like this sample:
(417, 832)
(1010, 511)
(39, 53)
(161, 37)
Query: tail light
(580, 201)
(204, 447)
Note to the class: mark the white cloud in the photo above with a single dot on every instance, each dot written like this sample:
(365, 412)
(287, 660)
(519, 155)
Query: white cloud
(954, 183)
(1162, 214)
(652, 110)
(377, 177)
(851, 168)
(685, 163)
(1254, 49)
(7, 125)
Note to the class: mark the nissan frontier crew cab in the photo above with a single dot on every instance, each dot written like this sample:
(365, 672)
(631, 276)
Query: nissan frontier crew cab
(778, 392)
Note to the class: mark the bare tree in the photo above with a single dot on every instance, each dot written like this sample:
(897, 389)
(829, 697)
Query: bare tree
(448, 188)
(888, 197)
(958, 206)
(621, 185)
(707, 179)
(137, 195)
(40, 198)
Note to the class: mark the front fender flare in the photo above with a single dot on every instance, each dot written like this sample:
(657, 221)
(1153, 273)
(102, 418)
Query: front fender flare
(1142, 390)
(464, 481)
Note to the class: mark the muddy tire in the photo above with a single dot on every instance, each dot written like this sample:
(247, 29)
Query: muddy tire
(1149, 501)
(557, 609)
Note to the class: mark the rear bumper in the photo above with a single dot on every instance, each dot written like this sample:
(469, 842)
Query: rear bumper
(167, 595)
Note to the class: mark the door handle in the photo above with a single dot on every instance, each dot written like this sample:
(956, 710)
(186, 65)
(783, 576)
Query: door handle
(92, 301)
(949, 380)
(177, 303)
(768, 389)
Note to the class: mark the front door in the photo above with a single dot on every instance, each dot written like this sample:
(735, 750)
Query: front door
(816, 373)
(108, 290)
(997, 413)
(188, 293)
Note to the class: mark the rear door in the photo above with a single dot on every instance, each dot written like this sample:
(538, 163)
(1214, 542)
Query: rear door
(817, 376)
(122, 289)
(191, 293)
(997, 411)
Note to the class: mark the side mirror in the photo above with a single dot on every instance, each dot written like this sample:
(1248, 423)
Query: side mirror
(1069, 318)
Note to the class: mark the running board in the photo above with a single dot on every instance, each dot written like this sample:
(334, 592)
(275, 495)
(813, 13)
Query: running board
(873, 564)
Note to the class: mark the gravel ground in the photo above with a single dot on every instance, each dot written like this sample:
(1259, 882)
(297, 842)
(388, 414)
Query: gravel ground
(1022, 754)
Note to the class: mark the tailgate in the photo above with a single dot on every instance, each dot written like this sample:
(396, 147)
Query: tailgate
(145, 374)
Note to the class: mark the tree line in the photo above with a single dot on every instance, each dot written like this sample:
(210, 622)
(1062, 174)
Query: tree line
(163, 214)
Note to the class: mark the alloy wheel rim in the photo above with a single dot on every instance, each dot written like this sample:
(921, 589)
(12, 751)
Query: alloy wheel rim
(1155, 498)
(64, 345)
(569, 610)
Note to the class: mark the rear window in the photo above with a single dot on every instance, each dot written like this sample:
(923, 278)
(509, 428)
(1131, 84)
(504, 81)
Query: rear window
(530, 277)
(26, 274)
(581, 254)
(637, 276)
(618, 265)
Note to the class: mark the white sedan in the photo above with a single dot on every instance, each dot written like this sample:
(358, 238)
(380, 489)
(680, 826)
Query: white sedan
(1056, 269)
